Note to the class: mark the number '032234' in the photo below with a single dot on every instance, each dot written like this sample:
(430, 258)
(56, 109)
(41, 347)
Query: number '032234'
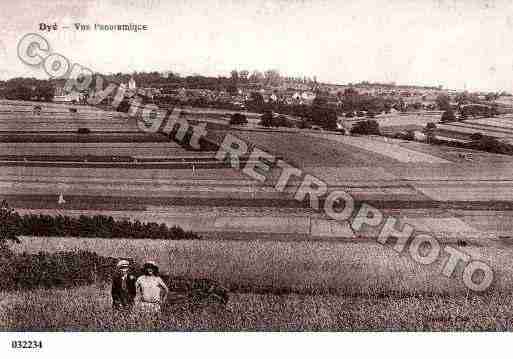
(26, 344)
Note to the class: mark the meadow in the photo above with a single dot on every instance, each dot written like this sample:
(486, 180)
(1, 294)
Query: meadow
(276, 282)
(357, 267)
(303, 285)
(89, 309)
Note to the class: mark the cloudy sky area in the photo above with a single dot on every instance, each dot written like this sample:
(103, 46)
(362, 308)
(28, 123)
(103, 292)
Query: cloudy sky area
(456, 44)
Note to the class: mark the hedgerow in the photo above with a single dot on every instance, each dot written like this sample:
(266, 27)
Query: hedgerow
(50, 270)
(13, 225)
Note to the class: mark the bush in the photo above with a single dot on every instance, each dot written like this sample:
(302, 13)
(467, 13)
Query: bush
(477, 136)
(430, 126)
(325, 118)
(61, 269)
(79, 268)
(490, 144)
(13, 225)
(404, 135)
(283, 121)
(97, 226)
(367, 127)
(448, 116)
(9, 221)
(266, 119)
(304, 124)
(84, 131)
(238, 119)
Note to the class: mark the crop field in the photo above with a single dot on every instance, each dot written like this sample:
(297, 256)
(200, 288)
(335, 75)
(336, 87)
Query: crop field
(300, 266)
(300, 151)
(27, 108)
(20, 117)
(279, 286)
(391, 150)
(452, 154)
(167, 149)
(470, 129)
(398, 122)
(501, 123)
(70, 137)
(89, 309)
(286, 266)
(67, 125)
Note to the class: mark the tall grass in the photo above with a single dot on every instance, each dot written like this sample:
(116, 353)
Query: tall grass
(280, 267)
(89, 309)
(279, 286)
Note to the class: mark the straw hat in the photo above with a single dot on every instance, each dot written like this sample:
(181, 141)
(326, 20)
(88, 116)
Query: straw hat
(123, 263)
(151, 264)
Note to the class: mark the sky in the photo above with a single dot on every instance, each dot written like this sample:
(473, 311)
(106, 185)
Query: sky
(457, 44)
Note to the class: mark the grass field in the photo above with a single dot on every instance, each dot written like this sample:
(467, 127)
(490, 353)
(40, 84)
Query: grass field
(89, 309)
(279, 286)
(93, 149)
(277, 282)
(350, 268)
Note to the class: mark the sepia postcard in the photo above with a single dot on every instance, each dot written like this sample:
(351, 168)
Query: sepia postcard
(255, 166)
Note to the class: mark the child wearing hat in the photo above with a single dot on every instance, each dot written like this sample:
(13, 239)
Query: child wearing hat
(151, 289)
(123, 287)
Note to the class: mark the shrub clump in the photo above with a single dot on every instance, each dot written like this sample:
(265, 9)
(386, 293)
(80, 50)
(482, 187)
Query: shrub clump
(490, 144)
(13, 225)
(49, 270)
(97, 226)
(367, 127)
(83, 131)
(79, 268)
(238, 119)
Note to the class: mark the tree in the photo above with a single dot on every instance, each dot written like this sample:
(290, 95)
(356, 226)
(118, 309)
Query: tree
(477, 136)
(282, 121)
(266, 119)
(18, 92)
(429, 131)
(448, 116)
(319, 101)
(232, 89)
(367, 127)
(256, 76)
(9, 227)
(324, 117)
(234, 75)
(371, 114)
(238, 119)
(443, 103)
(272, 77)
(44, 93)
(257, 100)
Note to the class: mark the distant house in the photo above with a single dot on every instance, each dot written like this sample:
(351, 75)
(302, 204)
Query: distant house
(63, 95)
(308, 96)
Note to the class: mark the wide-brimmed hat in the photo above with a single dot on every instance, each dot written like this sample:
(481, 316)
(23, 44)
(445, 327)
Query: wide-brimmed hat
(123, 263)
(151, 264)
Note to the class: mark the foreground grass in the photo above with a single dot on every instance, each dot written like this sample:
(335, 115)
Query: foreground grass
(88, 309)
(305, 285)
(308, 267)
